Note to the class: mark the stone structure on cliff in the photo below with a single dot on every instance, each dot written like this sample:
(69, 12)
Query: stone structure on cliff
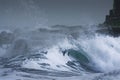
(113, 19)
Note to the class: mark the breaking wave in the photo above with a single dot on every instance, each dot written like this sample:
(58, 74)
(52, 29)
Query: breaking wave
(59, 51)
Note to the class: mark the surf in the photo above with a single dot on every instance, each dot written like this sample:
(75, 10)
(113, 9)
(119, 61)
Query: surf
(74, 54)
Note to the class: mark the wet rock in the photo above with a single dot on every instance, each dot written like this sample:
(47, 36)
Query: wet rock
(113, 19)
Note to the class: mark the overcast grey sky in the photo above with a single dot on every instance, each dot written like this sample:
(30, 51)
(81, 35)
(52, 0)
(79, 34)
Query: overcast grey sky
(52, 12)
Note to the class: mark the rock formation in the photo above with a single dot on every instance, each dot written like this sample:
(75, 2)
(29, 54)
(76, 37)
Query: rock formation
(113, 19)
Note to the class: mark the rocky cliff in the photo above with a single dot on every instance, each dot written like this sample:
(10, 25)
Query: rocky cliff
(113, 19)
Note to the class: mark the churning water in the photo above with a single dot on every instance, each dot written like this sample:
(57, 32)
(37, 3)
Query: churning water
(59, 53)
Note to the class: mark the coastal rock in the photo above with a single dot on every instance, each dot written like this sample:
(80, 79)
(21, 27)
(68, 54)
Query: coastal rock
(113, 19)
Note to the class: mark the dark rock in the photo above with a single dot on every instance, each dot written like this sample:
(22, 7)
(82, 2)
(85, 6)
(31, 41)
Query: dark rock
(113, 19)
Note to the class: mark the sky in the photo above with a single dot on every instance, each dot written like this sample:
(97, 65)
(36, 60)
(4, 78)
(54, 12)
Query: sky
(53, 12)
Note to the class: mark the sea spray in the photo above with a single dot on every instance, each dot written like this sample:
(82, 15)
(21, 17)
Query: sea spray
(47, 51)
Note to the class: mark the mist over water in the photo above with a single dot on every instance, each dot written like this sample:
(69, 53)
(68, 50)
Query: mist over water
(68, 51)
(32, 50)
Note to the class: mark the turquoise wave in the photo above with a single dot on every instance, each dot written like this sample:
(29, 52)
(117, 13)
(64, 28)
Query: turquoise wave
(81, 58)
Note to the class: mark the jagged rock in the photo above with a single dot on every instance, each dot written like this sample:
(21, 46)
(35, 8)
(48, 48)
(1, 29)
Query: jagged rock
(114, 15)
(113, 19)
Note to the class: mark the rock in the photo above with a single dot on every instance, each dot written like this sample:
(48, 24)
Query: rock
(113, 19)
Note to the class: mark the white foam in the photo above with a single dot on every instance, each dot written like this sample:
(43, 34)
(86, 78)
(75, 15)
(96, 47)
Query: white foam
(104, 52)
(55, 58)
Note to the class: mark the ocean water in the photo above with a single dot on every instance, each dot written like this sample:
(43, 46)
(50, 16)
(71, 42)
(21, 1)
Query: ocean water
(59, 53)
